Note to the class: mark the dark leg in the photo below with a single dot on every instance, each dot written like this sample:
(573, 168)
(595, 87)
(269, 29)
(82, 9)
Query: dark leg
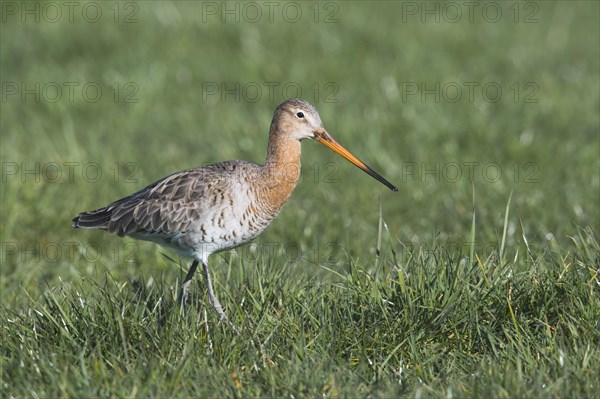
(214, 301)
(185, 286)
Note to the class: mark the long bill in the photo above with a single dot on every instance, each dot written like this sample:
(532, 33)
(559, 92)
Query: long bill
(325, 138)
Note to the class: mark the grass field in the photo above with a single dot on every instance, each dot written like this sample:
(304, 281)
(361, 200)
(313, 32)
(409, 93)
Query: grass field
(479, 278)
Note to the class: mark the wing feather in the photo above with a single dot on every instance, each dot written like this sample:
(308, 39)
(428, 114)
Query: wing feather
(171, 205)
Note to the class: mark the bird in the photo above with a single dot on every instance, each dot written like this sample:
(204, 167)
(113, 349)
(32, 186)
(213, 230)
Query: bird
(220, 206)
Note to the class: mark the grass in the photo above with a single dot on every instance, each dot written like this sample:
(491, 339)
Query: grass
(461, 285)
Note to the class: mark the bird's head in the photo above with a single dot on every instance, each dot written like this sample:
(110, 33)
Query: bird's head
(299, 120)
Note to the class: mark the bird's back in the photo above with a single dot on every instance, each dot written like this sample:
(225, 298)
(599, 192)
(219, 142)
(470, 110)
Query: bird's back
(206, 209)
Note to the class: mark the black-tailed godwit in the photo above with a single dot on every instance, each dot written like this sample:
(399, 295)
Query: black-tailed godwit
(201, 211)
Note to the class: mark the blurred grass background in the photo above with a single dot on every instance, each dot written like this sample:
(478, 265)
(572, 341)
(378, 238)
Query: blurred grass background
(357, 62)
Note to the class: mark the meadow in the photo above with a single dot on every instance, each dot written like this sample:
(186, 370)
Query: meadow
(479, 278)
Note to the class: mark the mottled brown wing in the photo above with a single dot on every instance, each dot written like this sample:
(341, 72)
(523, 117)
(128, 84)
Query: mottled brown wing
(168, 206)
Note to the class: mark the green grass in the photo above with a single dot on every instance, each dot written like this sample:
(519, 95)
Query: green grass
(457, 286)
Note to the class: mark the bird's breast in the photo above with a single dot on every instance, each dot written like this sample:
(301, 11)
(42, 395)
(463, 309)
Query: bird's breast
(239, 216)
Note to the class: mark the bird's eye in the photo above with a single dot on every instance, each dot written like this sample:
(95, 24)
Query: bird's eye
(300, 114)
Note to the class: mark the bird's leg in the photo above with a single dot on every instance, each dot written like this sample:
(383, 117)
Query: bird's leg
(185, 286)
(214, 301)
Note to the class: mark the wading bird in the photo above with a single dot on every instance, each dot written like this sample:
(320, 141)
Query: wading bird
(220, 206)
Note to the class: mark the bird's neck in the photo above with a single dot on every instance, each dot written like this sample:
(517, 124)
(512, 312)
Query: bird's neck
(282, 168)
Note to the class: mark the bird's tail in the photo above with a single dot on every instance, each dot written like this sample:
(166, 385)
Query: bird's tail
(98, 219)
